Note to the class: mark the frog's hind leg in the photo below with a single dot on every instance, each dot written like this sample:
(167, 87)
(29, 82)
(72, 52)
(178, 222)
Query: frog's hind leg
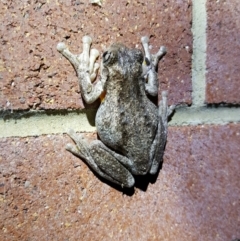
(101, 159)
(158, 146)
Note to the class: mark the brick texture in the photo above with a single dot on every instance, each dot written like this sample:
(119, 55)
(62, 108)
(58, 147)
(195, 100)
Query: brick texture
(48, 194)
(35, 76)
(223, 52)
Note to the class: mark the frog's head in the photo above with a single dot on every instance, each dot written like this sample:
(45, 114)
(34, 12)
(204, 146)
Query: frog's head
(122, 62)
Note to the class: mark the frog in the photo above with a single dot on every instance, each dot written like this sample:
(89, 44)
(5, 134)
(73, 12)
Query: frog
(131, 128)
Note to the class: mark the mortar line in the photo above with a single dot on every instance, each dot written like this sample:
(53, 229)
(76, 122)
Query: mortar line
(199, 26)
(46, 124)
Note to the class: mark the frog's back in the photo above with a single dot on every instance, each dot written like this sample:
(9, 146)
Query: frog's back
(126, 120)
(128, 127)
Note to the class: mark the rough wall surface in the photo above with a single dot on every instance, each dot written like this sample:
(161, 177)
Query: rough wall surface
(195, 197)
(223, 52)
(33, 74)
(48, 194)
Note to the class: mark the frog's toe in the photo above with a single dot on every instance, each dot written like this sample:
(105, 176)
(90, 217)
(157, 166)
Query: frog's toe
(73, 149)
(74, 136)
(170, 109)
(61, 47)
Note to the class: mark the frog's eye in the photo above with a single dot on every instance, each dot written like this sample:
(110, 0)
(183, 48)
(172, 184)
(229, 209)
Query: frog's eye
(108, 57)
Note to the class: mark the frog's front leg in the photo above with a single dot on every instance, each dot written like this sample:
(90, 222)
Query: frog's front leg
(86, 69)
(102, 160)
(150, 67)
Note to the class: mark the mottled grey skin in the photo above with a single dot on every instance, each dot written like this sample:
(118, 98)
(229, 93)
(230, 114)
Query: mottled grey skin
(132, 130)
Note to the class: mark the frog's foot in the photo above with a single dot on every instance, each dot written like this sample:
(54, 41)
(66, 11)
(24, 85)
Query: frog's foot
(86, 68)
(85, 61)
(150, 66)
(80, 148)
(101, 159)
(164, 110)
(158, 146)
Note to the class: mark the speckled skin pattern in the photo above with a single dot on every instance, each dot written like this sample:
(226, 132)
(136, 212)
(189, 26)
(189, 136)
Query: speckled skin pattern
(131, 128)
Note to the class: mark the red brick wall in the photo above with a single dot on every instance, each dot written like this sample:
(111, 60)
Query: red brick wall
(48, 194)
(223, 52)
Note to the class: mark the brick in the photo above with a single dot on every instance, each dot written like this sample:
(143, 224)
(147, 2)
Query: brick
(35, 76)
(223, 48)
(44, 196)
